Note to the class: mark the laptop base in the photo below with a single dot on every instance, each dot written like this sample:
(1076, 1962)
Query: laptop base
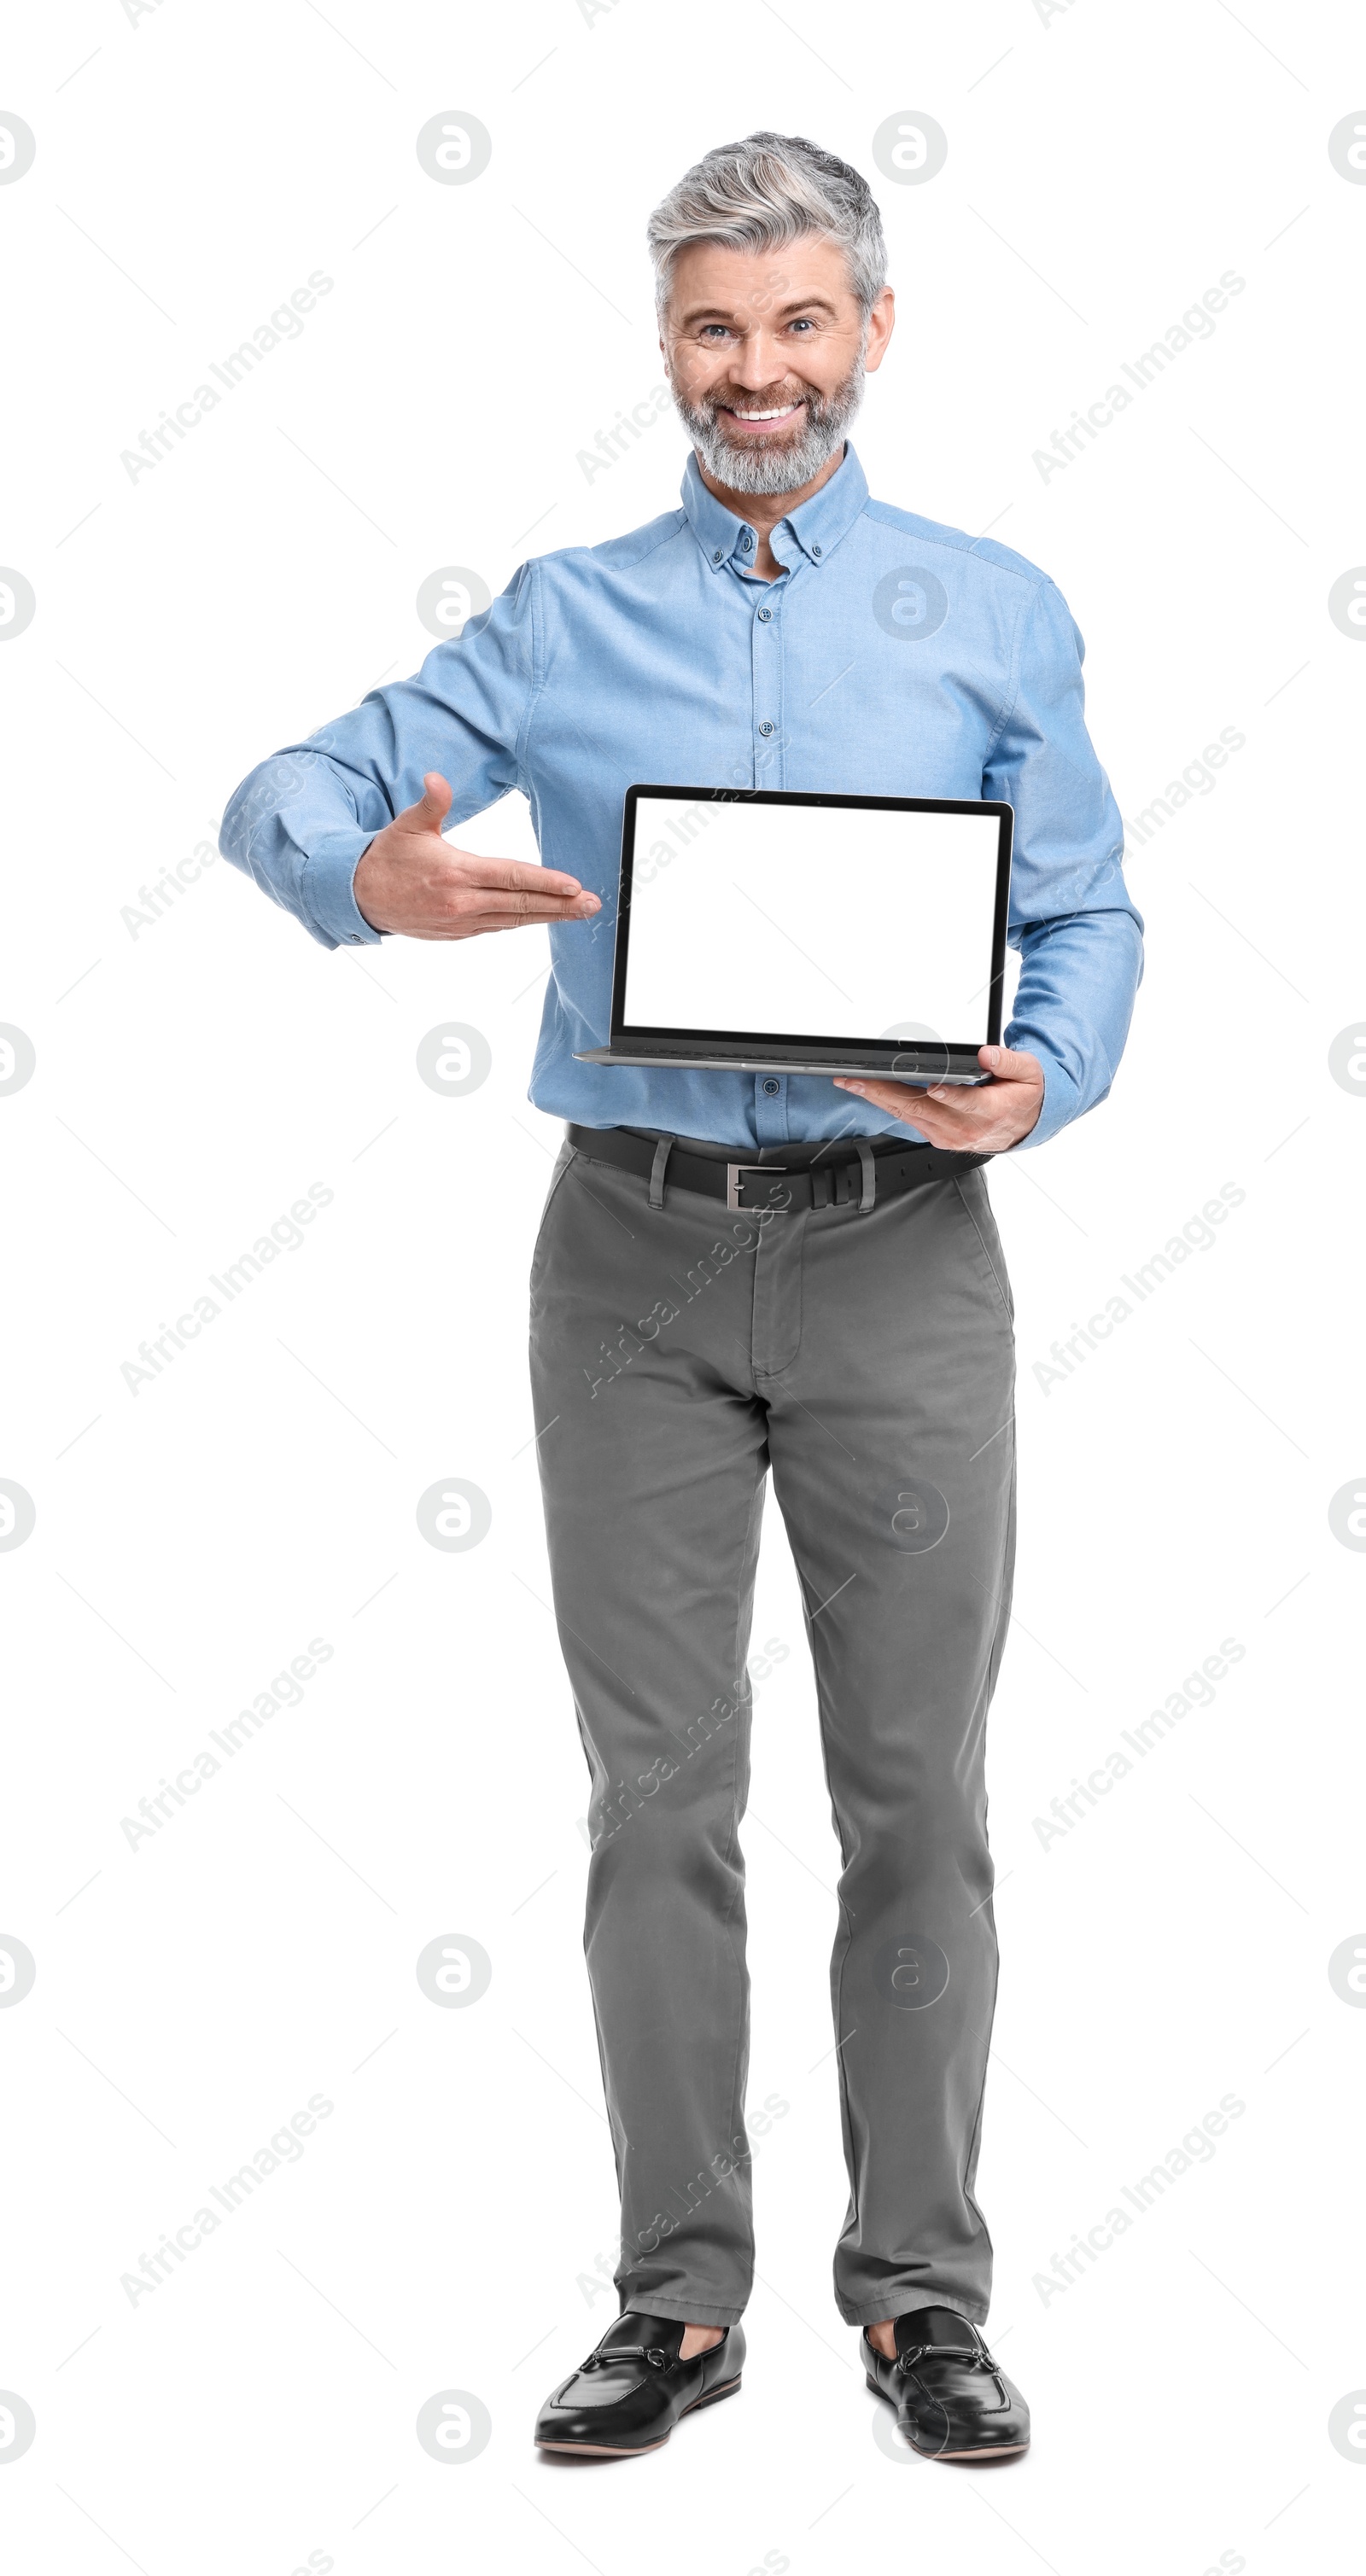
(921, 1079)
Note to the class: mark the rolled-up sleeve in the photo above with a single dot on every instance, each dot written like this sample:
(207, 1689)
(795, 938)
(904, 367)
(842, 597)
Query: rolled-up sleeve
(1079, 934)
(300, 823)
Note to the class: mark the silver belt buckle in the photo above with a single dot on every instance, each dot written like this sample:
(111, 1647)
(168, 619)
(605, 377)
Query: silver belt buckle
(735, 1173)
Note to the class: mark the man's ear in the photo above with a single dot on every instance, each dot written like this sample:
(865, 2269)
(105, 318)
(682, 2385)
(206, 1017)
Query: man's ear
(881, 324)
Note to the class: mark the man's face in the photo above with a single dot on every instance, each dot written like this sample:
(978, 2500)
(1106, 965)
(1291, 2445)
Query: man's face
(766, 353)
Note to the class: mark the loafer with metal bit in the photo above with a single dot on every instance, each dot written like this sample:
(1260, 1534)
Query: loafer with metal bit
(953, 2400)
(632, 2390)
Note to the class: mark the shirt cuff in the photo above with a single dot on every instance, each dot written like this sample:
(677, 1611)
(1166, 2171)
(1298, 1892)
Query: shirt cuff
(326, 891)
(1062, 1101)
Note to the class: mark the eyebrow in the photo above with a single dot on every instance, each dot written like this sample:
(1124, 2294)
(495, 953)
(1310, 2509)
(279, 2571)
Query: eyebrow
(717, 312)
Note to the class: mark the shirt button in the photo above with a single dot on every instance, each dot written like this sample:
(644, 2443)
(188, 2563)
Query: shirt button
(765, 728)
(717, 556)
(815, 550)
(746, 540)
(764, 616)
(772, 1089)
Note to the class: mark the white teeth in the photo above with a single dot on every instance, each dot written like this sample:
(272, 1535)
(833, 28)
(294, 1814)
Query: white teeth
(782, 413)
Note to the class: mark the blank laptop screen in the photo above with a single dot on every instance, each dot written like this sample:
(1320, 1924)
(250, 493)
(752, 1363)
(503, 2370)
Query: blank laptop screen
(811, 921)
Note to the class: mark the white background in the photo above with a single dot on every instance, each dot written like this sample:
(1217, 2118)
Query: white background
(803, 919)
(1106, 165)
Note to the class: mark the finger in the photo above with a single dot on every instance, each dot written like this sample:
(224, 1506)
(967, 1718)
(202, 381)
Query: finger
(465, 920)
(519, 903)
(509, 876)
(896, 1099)
(433, 805)
(939, 1119)
(881, 1092)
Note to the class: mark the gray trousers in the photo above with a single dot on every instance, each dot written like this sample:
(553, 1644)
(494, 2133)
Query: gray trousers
(678, 1352)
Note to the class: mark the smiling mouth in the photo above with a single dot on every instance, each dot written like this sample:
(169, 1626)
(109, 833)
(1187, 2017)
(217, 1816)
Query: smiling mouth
(769, 419)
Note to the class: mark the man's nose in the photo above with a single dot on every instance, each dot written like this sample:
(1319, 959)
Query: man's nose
(758, 361)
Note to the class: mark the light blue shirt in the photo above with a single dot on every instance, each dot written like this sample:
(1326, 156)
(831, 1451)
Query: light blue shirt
(891, 657)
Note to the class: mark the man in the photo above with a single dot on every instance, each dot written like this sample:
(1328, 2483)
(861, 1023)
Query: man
(851, 1329)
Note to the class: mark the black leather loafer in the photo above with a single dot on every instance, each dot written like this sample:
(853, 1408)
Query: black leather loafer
(631, 2391)
(953, 2401)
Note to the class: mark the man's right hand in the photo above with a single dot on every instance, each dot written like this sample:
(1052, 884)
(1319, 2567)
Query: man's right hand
(412, 881)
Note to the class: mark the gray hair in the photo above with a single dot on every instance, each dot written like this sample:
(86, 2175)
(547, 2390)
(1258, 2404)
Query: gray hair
(760, 194)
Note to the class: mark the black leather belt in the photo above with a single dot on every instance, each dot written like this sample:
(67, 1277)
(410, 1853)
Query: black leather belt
(839, 1179)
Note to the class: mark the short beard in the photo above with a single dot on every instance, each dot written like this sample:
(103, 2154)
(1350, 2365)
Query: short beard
(783, 465)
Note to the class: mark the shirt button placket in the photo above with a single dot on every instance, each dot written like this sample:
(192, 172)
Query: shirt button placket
(770, 1109)
(767, 671)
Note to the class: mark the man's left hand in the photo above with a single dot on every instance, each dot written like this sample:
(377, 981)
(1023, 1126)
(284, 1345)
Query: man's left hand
(983, 1118)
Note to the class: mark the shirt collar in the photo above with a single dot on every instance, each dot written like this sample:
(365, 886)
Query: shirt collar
(814, 530)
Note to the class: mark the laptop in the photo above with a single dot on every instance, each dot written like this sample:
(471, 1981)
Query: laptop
(762, 930)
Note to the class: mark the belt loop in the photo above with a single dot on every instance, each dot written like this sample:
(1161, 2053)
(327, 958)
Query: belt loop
(658, 1168)
(865, 1155)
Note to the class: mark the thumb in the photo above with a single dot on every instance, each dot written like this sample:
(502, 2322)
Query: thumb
(1008, 1064)
(433, 805)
